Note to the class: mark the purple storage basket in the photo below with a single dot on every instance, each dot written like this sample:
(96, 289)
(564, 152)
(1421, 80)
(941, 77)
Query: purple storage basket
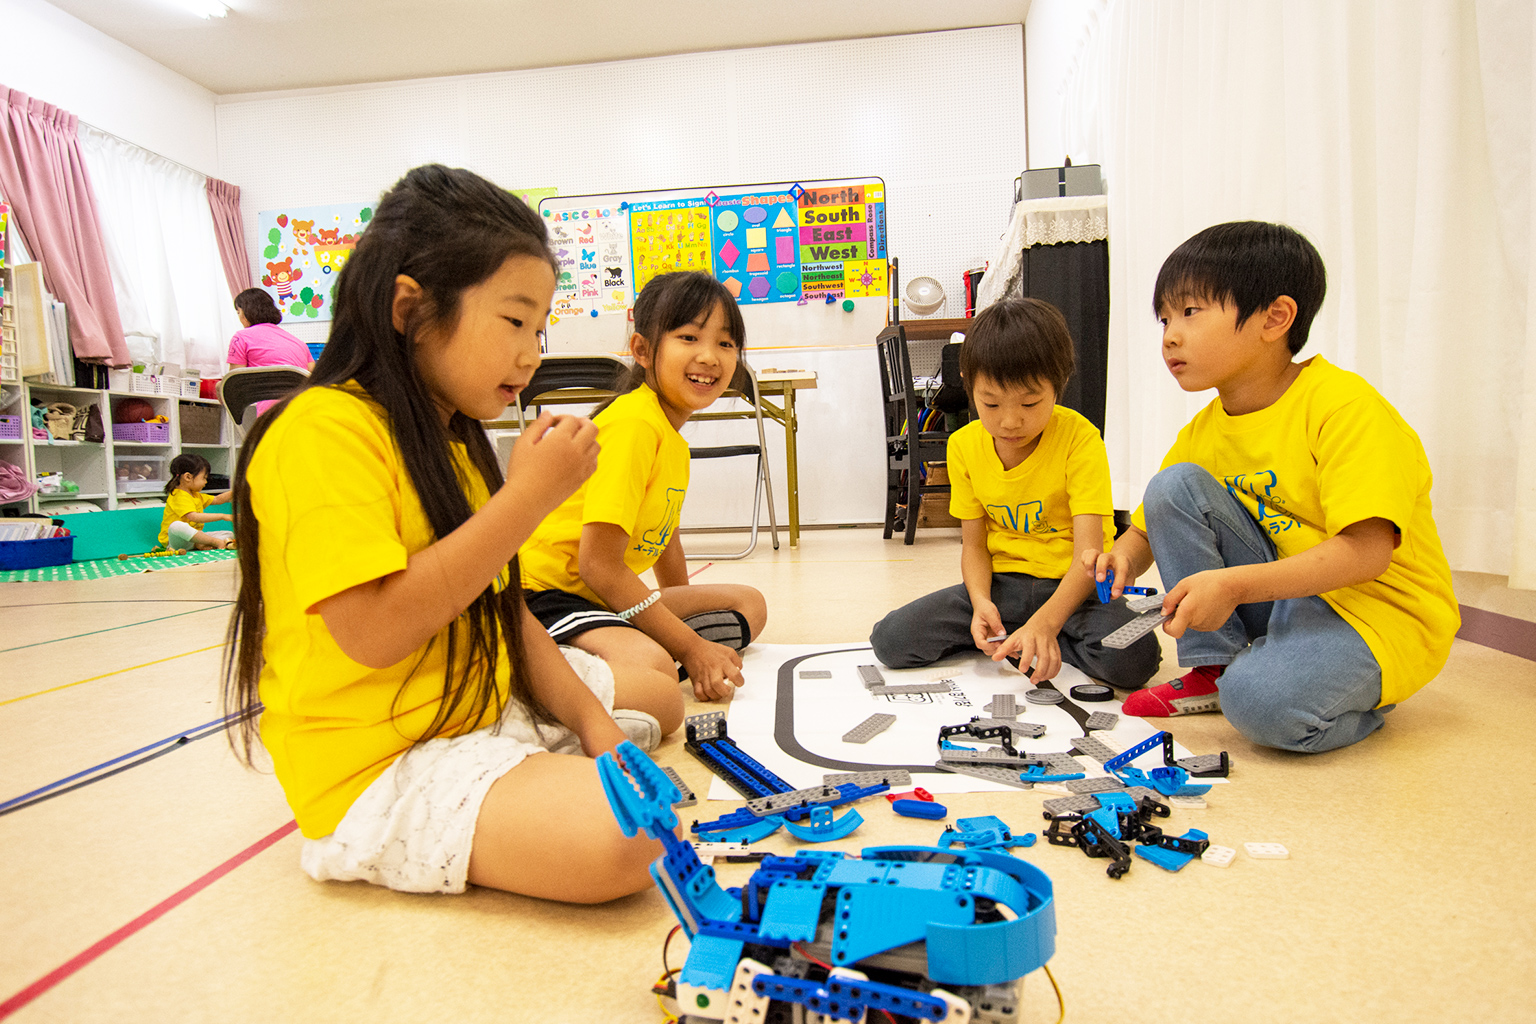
(147, 433)
(10, 428)
(35, 554)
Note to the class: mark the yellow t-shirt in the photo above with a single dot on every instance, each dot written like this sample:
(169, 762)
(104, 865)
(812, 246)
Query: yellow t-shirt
(336, 508)
(1029, 508)
(1329, 453)
(639, 486)
(178, 504)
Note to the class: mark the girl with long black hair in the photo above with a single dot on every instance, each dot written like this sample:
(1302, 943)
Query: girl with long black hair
(426, 730)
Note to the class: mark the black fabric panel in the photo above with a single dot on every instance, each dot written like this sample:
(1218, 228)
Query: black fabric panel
(1074, 277)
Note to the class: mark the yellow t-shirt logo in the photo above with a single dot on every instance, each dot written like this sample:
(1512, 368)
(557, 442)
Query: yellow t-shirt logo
(1025, 517)
(661, 533)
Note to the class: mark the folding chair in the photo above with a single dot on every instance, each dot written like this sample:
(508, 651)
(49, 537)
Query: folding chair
(907, 447)
(744, 386)
(245, 386)
(600, 375)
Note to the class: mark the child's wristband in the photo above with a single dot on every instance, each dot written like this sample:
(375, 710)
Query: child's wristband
(631, 612)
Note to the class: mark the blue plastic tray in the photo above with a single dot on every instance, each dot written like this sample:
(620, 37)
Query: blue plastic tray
(34, 554)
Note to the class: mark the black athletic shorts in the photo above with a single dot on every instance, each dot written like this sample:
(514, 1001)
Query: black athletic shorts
(567, 616)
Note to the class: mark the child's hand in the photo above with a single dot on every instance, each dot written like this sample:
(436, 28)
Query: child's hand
(714, 670)
(1099, 564)
(986, 623)
(1203, 602)
(553, 458)
(1033, 642)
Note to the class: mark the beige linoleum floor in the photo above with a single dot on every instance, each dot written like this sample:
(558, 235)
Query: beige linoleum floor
(1408, 895)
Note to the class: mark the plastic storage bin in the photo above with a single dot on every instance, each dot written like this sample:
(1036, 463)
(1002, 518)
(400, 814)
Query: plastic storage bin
(34, 554)
(142, 433)
(199, 423)
(10, 428)
(139, 473)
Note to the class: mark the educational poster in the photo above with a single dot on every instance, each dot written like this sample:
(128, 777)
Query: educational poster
(303, 251)
(668, 235)
(791, 242)
(842, 241)
(591, 243)
(755, 245)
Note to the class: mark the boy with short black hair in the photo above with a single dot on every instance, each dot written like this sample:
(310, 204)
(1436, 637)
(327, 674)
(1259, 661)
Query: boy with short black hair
(1029, 482)
(1291, 520)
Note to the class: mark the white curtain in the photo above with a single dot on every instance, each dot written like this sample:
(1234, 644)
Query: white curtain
(1397, 135)
(161, 247)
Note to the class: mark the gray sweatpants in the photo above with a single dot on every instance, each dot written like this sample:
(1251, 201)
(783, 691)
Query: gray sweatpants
(939, 625)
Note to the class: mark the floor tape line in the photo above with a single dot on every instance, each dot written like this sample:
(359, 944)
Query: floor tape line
(197, 732)
(151, 915)
(126, 625)
(104, 675)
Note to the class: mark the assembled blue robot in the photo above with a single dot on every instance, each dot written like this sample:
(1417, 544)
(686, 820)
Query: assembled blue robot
(921, 933)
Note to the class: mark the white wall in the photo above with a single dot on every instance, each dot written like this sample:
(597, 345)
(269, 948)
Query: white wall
(1055, 32)
(939, 116)
(62, 60)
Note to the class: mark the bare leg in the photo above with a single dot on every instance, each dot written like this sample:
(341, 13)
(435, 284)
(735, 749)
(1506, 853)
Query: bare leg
(644, 674)
(546, 830)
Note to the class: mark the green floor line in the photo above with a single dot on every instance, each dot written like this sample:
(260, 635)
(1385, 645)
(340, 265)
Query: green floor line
(126, 625)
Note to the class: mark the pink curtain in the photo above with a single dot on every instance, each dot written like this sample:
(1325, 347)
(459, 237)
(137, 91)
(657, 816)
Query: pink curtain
(224, 203)
(43, 177)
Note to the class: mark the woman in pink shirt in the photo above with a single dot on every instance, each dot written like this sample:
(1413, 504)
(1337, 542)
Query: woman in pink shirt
(260, 342)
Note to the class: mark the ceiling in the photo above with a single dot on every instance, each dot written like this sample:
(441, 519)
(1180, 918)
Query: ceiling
(264, 45)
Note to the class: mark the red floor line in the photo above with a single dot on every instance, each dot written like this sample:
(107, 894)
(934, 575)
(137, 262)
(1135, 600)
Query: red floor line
(80, 960)
(706, 565)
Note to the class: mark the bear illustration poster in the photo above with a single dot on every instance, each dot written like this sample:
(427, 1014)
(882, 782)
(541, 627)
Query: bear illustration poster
(302, 252)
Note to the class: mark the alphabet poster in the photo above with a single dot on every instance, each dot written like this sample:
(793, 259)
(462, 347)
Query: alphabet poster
(799, 242)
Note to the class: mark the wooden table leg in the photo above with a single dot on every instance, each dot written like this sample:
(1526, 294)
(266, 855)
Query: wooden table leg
(792, 466)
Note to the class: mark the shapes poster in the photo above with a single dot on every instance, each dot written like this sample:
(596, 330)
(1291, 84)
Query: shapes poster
(303, 251)
(755, 246)
(591, 242)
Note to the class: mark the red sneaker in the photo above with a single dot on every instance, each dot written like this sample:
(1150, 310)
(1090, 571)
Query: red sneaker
(1191, 694)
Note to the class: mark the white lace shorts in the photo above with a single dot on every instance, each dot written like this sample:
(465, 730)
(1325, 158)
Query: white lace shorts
(413, 827)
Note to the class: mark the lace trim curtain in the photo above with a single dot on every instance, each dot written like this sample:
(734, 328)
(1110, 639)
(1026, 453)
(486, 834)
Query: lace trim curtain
(1041, 222)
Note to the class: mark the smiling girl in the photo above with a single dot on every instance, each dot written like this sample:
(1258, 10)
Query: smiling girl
(582, 566)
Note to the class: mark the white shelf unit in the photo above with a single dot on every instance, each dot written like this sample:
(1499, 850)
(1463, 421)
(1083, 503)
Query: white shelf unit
(94, 466)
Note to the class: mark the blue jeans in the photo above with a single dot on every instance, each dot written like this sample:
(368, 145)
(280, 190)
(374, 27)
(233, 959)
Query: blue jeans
(1298, 676)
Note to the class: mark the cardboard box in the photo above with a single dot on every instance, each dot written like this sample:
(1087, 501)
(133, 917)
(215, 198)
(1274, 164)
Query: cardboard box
(934, 508)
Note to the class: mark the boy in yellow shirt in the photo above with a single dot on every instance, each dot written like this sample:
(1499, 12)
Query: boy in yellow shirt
(1291, 520)
(1029, 481)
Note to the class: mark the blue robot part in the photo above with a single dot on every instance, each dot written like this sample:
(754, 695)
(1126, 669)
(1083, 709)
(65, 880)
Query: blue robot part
(822, 828)
(986, 832)
(1170, 859)
(920, 809)
(1038, 773)
(976, 921)
(1106, 585)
